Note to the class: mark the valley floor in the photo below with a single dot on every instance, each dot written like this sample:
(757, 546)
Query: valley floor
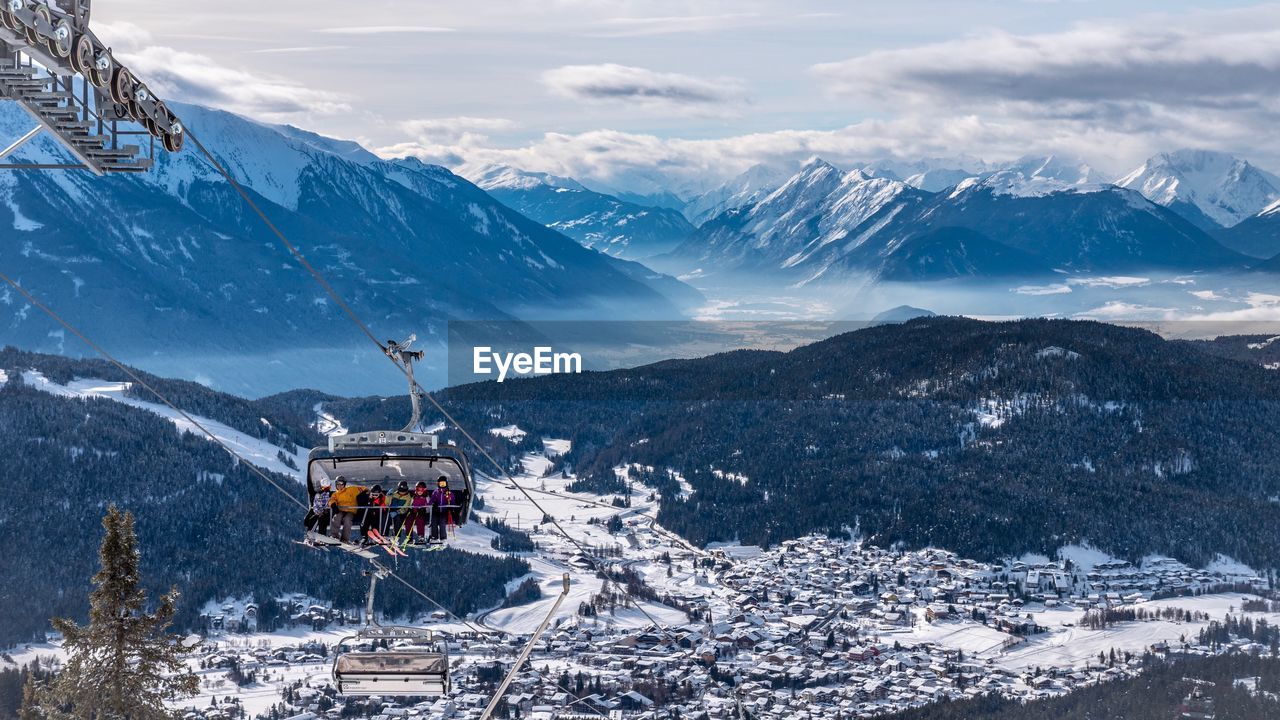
(834, 627)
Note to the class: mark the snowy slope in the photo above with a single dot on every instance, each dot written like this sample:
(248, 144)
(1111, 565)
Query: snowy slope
(745, 189)
(817, 207)
(582, 515)
(1202, 184)
(930, 174)
(598, 221)
(1037, 176)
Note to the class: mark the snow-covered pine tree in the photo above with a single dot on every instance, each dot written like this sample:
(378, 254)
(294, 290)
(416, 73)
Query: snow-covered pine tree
(123, 665)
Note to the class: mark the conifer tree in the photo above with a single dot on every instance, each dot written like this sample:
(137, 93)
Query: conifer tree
(123, 665)
(30, 709)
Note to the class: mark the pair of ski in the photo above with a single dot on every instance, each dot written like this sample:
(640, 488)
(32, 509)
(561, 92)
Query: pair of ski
(324, 542)
(392, 549)
(398, 550)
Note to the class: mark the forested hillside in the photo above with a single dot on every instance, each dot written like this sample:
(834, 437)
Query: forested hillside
(985, 438)
(203, 522)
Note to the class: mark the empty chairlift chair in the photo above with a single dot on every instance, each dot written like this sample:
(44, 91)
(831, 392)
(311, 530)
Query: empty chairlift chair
(416, 671)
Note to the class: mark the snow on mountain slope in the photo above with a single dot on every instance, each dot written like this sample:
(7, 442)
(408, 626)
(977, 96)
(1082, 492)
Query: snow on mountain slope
(856, 199)
(504, 177)
(749, 187)
(175, 259)
(1034, 176)
(817, 207)
(255, 450)
(929, 174)
(584, 517)
(269, 159)
(1203, 184)
(1032, 217)
(598, 221)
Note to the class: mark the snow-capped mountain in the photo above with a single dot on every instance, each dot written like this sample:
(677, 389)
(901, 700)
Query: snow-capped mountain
(749, 187)
(598, 221)
(1211, 189)
(929, 174)
(174, 258)
(813, 209)
(1031, 218)
(1037, 176)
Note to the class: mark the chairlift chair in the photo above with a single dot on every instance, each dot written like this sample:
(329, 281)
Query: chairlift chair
(376, 457)
(418, 669)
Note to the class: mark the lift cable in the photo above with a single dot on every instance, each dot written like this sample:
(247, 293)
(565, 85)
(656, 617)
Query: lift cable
(414, 386)
(138, 379)
(196, 423)
(316, 274)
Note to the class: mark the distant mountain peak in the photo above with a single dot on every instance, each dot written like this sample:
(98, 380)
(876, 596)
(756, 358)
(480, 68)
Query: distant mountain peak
(492, 177)
(746, 188)
(1205, 186)
(816, 164)
(600, 221)
(1039, 175)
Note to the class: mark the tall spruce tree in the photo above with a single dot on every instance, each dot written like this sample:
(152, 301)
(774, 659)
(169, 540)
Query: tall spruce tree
(123, 665)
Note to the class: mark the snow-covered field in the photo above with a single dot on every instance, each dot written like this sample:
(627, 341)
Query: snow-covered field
(582, 515)
(1066, 644)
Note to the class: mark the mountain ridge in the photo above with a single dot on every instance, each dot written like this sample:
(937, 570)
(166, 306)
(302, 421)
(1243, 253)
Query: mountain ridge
(174, 256)
(597, 220)
(1035, 217)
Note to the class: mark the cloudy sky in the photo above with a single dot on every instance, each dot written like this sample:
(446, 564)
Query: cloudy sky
(624, 91)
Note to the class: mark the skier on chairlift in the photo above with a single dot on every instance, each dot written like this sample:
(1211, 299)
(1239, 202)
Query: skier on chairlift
(318, 516)
(345, 501)
(373, 506)
(401, 504)
(419, 508)
(442, 506)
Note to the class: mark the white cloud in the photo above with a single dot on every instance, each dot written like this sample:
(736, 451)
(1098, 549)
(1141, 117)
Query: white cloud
(1055, 289)
(446, 141)
(614, 157)
(299, 49)
(1177, 64)
(1202, 80)
(1113, 93)
(453, 129)
(639, 87)
(177, 75)
(122, 35)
